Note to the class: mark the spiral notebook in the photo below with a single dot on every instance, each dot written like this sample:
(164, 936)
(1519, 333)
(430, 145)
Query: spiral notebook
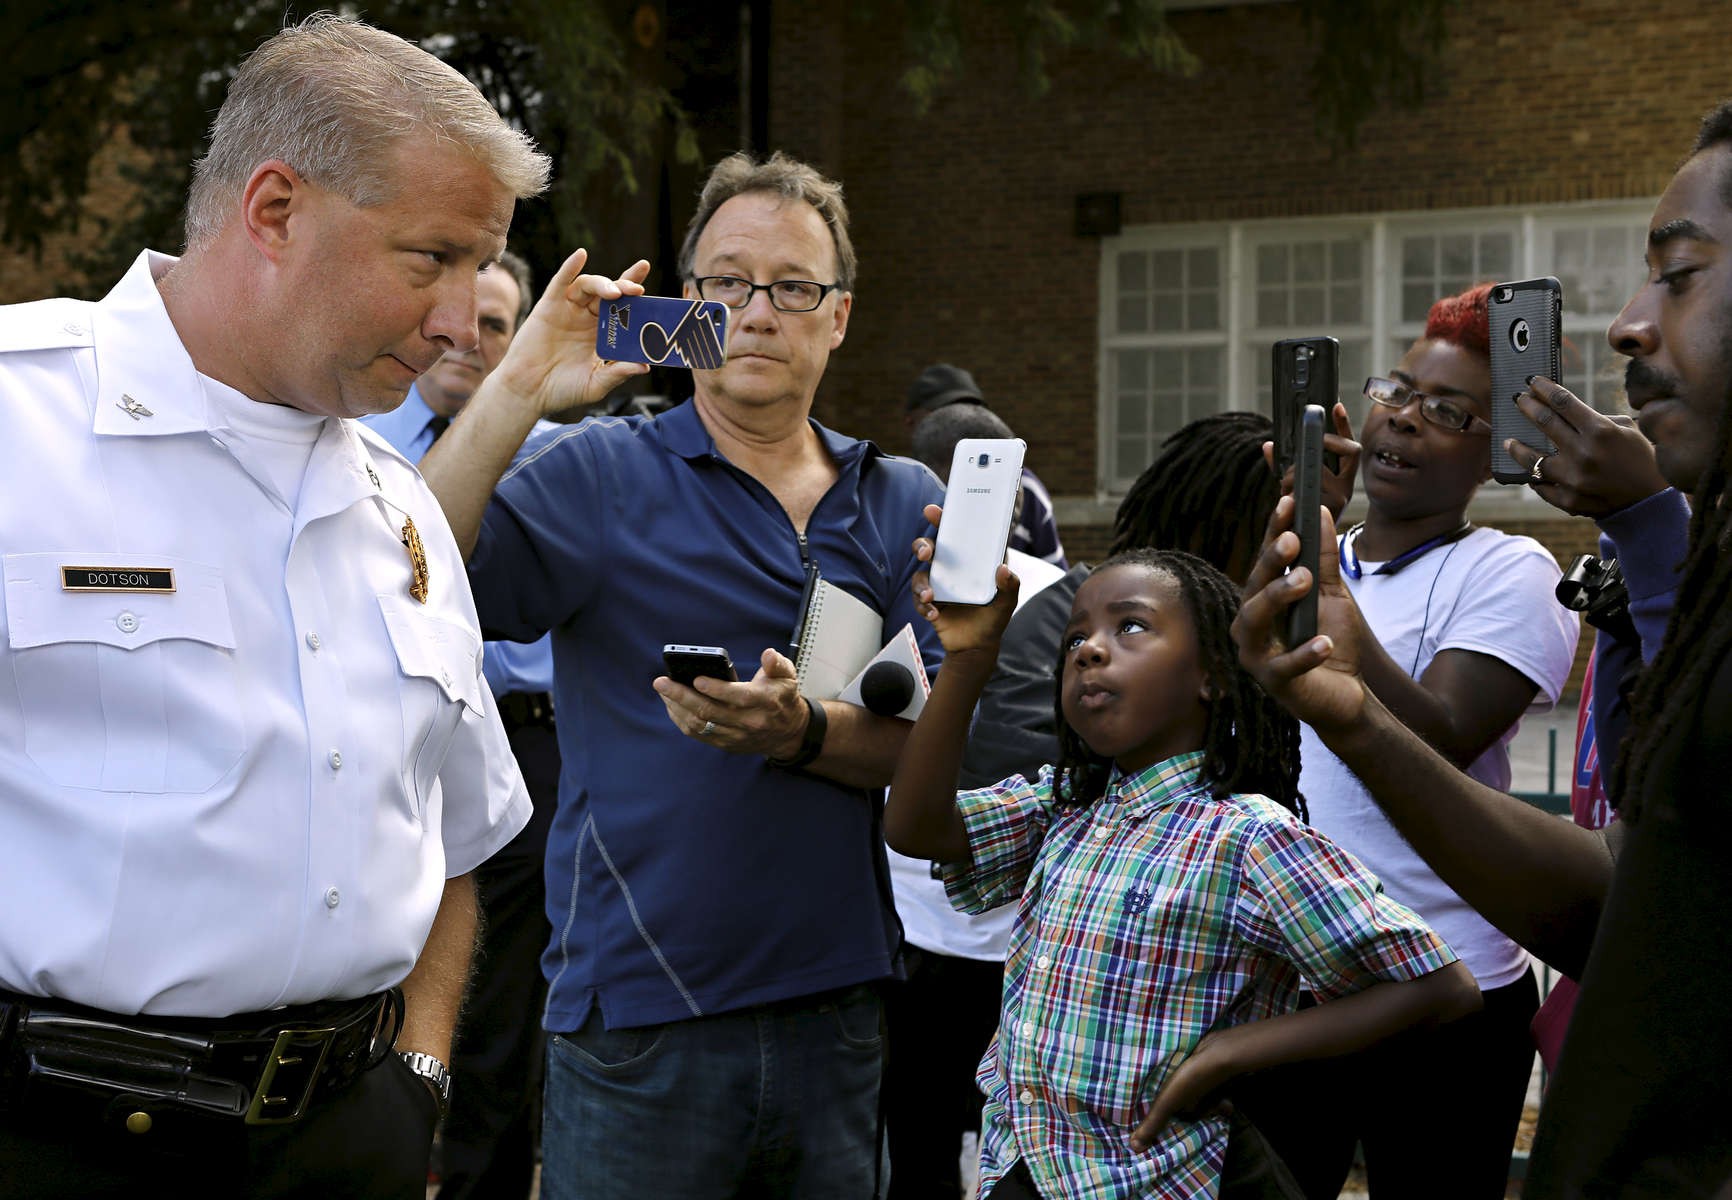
(838, 636)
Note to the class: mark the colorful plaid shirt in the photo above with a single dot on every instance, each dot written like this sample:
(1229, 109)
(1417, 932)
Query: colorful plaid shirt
(1146, 920)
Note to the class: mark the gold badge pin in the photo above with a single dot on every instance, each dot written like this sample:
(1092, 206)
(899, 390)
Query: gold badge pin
(417, 561)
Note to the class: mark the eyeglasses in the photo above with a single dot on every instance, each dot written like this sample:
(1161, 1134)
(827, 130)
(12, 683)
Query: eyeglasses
(787, 295)
(1445, 414)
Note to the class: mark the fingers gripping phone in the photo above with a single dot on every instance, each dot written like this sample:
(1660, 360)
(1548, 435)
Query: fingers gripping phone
(1525, 340)
(685, 664)
(979, 503)
(1307, 520)
(1306, 371)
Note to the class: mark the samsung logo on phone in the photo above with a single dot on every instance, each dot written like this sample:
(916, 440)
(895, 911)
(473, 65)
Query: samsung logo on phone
(979, 491)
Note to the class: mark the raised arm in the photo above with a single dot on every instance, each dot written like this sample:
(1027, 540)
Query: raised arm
(921, 819)
(551, 365)
(1540, 880)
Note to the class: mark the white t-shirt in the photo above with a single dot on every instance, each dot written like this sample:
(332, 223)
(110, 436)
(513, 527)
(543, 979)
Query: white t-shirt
(275, 441)
(1491, 593)
(928, 920)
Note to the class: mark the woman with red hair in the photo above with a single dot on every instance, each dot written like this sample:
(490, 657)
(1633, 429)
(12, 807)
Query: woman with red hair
(1463, 637)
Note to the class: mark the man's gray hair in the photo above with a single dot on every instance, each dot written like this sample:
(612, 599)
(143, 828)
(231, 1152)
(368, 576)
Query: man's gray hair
(936, 436)
(331, 97)
(519, 271)
(783, 176)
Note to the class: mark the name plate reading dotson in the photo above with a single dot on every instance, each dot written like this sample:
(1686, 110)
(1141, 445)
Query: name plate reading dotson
(116, 579)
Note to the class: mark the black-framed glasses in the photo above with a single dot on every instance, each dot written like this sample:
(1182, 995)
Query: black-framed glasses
(1440, 411)
(787, 295)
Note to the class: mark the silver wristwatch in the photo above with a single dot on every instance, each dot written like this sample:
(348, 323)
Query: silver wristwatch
(437, 1075)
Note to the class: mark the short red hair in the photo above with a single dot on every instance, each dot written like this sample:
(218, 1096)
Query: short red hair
(1462, 320)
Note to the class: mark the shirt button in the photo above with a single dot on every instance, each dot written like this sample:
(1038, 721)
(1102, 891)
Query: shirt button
(127, 623)
(333, 897)
(74, 328)
(1027, 1096)
(1100, 832)
(1044, 961)
(1028, 1029)
(336, 759)
(312, 640)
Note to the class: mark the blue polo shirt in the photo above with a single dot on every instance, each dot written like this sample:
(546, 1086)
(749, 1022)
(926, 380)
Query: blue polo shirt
(683, 880)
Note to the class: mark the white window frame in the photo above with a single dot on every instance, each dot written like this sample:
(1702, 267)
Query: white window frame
(1237, 241)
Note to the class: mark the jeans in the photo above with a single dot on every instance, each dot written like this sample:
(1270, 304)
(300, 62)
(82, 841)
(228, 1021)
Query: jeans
(780, 1100)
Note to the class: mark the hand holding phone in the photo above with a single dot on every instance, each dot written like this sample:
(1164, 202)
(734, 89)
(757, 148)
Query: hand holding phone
(979, 504)
(686, 664)
(1307, 521)
(1525, 341)
(663, 331)
(1305, 371)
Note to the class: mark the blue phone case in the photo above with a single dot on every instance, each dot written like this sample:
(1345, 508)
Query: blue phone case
(663, 331)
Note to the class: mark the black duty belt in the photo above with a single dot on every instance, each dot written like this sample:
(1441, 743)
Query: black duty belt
(260, 1068)
(518, 709)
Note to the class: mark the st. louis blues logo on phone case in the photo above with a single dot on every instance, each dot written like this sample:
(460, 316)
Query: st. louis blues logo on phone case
(663, 331)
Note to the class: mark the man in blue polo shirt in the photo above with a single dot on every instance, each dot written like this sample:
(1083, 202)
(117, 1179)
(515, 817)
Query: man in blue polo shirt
(716, 871)
(488, 1144)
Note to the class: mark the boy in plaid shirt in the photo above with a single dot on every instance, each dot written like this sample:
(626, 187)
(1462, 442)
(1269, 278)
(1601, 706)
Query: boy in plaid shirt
(1171, 897)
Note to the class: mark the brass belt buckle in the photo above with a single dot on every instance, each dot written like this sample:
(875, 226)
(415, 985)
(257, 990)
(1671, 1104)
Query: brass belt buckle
(292, 1071)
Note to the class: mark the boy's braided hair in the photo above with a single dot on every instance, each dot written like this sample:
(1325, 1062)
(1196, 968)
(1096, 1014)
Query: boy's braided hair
(1251, 744)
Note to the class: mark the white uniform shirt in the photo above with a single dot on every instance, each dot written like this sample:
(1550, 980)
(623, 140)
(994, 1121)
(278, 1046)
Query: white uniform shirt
(248, 791)
(1491, 592)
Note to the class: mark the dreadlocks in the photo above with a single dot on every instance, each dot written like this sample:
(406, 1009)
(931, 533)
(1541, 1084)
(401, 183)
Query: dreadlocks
(1208, 491)
(1251, 744)
(1699, 631)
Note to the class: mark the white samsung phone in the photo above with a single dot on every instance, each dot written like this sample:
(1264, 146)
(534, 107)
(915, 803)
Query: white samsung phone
(979, 505)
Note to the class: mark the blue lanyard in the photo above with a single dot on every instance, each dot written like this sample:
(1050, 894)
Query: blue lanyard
(1350, 560)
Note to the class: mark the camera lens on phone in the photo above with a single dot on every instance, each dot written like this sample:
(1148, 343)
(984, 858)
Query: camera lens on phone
(984, 459)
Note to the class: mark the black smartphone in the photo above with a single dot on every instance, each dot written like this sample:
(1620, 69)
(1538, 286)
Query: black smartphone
(686, 663)
(1306, 371)
(1525, 340)
(1307, 520)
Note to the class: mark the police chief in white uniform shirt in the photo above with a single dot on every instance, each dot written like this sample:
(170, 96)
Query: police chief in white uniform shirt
(248, 758)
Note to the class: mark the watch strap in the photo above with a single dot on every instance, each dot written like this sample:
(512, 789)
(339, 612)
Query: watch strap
(812, 741)
(436, 1073)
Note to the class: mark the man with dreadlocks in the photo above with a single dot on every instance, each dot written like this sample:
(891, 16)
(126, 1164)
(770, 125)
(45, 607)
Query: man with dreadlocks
(1636, 913)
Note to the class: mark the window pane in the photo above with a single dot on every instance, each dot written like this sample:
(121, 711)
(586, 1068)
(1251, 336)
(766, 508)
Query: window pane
(1271, 264)
(1168, 412)
(1205, 267)
(1456, 255)
(1418, 256)
(1133, 315)
(1203, 311)
(1344, 260)
(1169, 311)
(1355, 367)
(1308, 307)
(1346, 303)
(1496, 256)
(1204, 368)
(1133, 370)
(1133, 271)
(1133, 414)
(1130, 457)
(1416, 301)
(1169, 269)
(1271, 306)
(1169, 369)
(1308, 262)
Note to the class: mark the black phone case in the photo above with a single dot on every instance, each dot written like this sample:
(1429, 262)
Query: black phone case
(1307, 521)
(1305, 371)
(685, 668)
(1525, 340)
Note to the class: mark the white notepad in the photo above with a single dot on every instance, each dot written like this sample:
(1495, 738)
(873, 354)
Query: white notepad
(839, 636)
